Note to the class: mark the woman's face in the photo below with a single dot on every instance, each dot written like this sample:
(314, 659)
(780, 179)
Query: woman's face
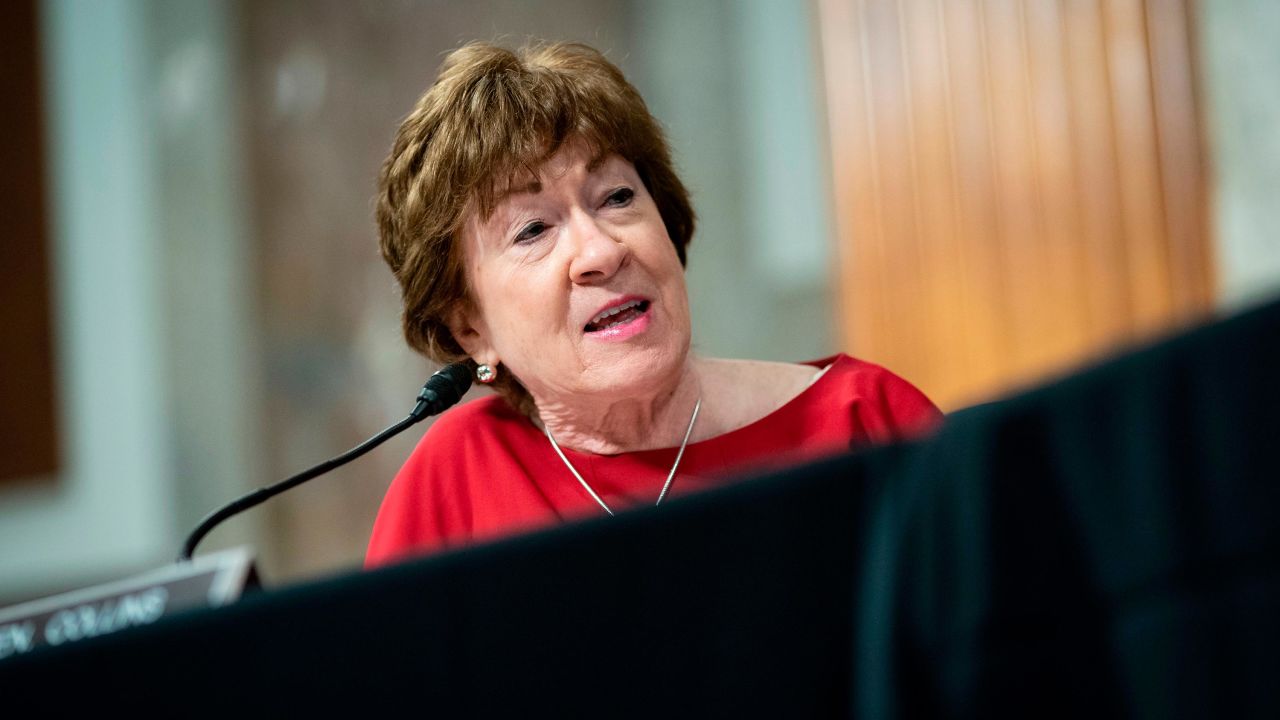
(578, 289)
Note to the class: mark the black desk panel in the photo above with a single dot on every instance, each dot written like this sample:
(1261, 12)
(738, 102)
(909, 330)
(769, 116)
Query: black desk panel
(1108, 545)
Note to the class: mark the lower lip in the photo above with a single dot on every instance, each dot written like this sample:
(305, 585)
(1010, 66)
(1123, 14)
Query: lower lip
(625, 330)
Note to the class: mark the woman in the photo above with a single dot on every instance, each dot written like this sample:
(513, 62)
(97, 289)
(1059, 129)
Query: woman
(531, 213)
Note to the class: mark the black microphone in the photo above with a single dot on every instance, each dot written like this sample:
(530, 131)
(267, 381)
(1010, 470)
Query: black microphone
(442, 391)
(445, 388)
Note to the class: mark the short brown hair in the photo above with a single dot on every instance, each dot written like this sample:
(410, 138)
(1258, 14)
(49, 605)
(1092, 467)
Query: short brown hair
(491, 113)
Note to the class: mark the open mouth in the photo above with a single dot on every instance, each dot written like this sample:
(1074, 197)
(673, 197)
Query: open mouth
(619, 315)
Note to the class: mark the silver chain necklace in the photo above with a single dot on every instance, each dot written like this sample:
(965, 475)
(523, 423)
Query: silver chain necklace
(670, 476)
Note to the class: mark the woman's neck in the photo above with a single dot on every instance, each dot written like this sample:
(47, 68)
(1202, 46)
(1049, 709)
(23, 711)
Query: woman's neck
(656, 420)
(734, 393)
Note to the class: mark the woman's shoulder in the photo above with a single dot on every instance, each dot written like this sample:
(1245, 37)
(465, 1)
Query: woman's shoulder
(755, 391)
(486, 409)
(484, 418)
(731, 375)
(867, 378)
(741, 392)
(890, 406)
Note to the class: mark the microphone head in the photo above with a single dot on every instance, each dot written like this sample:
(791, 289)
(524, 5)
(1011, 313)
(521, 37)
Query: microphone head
(443, 390)
(456, 375)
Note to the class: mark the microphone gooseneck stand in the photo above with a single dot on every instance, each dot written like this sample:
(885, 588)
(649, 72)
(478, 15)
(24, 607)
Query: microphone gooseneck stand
(444, 389)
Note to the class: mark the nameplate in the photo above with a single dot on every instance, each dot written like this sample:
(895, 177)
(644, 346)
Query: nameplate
(210, 580)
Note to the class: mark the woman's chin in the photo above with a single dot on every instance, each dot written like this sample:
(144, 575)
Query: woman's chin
(634, 371)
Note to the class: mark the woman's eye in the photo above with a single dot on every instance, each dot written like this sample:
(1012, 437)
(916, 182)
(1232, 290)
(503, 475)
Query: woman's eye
(620, 197)
(530, 232)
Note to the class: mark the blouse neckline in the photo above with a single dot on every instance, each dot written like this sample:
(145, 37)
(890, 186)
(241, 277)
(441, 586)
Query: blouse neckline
(829, 365)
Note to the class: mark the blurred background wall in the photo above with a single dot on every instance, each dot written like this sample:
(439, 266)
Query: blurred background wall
(976, 193)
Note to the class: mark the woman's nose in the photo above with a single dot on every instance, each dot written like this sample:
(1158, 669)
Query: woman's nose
(598, 255)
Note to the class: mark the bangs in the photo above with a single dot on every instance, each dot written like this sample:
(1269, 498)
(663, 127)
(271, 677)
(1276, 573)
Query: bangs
(521, 114)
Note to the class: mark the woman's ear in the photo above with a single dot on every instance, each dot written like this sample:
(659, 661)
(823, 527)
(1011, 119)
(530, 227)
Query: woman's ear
(467, 327)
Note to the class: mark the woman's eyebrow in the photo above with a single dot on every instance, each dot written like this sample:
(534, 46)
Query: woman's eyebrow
(533, 187)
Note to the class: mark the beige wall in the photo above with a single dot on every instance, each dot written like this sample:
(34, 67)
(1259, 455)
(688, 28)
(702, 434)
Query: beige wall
(1240, 72)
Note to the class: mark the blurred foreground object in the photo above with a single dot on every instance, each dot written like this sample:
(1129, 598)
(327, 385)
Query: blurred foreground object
(1105, 546)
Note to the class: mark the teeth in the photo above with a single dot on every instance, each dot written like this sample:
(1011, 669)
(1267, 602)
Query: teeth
(610, 313)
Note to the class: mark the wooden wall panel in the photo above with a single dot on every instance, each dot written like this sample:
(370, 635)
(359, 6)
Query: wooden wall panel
(1181, 171)
(1018, 183)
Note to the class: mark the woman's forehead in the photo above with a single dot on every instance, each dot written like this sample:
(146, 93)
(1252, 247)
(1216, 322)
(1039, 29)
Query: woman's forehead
(526, 181)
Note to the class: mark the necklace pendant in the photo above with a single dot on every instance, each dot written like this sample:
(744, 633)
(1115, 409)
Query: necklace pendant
(670, 476)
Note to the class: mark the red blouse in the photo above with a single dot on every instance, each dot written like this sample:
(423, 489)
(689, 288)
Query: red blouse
(483, 471)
